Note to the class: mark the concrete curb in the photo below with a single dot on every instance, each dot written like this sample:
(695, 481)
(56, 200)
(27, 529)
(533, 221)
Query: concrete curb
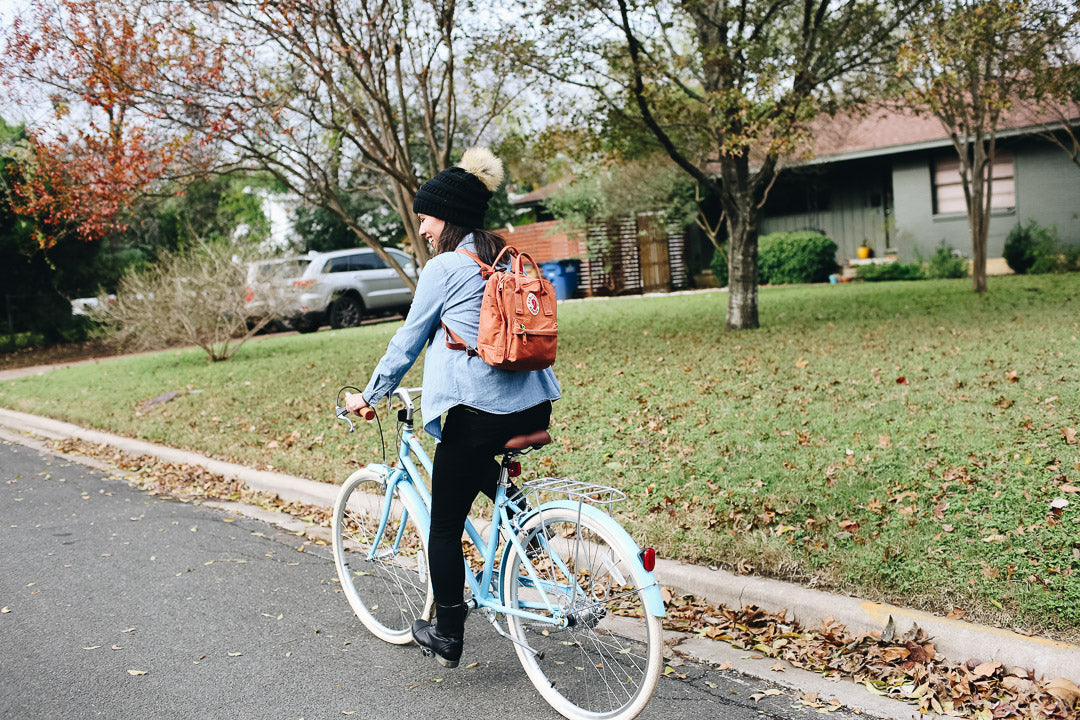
(954, 639)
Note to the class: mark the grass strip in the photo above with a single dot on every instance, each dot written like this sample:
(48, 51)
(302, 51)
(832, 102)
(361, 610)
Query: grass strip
(911, 443)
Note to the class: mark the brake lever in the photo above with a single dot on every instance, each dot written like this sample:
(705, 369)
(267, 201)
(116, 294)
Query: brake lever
(342, 413)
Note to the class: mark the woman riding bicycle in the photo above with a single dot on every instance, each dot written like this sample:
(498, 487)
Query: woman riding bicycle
(483, 406)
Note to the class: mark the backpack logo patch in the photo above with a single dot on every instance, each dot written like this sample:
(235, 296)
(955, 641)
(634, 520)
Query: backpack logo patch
(532, 303)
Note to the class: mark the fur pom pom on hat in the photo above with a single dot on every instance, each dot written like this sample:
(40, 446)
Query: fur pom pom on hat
(460, 195)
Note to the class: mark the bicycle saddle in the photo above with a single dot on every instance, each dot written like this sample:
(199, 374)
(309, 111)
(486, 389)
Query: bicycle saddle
(535, 440)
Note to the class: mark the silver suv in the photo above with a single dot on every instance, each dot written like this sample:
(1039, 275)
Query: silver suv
(342, 287)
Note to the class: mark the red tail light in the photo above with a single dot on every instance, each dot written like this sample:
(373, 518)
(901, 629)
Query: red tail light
(513, 469)
(648, 559)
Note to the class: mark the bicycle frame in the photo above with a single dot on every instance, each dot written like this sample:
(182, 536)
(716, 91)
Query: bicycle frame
(408, 481)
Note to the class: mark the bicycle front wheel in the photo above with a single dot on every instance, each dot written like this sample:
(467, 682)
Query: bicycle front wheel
(605, 664)
(381, 557)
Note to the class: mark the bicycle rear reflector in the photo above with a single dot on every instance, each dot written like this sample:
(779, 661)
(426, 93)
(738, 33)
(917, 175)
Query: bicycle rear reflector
(513, 469)
(648, 559)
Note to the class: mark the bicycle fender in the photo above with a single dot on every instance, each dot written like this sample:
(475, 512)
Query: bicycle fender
(650, 588)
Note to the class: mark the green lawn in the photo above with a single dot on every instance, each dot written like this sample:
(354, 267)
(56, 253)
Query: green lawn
(900, 441)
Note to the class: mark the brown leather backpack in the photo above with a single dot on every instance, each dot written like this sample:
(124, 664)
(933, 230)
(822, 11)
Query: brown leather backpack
(518, 330)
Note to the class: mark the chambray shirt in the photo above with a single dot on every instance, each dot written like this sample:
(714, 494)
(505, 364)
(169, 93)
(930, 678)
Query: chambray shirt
(449, 290)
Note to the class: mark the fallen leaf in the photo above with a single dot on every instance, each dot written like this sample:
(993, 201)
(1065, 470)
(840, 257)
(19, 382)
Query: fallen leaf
(778, 667)
(137, 672)
(5, 609)
(986, 669)
(896, 653)
(92, 647)
(956, 613)
(801, 363)
(1003, 710)
(1070, 435)
(1064, 689)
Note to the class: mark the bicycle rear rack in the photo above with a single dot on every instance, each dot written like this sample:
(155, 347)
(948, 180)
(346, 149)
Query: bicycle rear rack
(600, 495)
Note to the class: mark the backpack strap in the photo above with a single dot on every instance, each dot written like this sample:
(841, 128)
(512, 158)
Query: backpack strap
(453, 340)
(486, 270)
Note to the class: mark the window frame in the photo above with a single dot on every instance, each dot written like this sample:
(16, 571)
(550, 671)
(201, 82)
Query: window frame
(949, 165)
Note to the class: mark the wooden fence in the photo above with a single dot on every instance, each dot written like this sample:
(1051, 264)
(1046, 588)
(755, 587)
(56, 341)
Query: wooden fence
(620, 256)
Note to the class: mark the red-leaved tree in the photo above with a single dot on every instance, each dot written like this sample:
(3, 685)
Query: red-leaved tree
(82, 69)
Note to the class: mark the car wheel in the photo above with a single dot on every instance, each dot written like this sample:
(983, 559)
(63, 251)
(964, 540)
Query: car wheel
(347, 311)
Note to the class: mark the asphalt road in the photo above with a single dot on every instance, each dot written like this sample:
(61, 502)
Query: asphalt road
(119, 604)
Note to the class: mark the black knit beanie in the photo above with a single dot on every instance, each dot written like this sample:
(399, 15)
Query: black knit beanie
(460, 195)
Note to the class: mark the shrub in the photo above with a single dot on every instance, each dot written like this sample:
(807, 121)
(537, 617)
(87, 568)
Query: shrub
(719, 266)
(186, 298)
(1031, 247)
(890, 271)
(945, 263)
(798, 257)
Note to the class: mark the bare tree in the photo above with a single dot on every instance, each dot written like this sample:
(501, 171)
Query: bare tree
(970, 61)
(336, 96)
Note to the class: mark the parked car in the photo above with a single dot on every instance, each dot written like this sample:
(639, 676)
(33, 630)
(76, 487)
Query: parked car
(340, 287)
(269, 289)
(89, 305)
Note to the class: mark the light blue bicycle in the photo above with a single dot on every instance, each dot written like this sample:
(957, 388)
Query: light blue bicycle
(553, 573)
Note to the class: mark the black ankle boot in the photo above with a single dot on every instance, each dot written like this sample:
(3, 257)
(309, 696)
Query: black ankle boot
(445, 637)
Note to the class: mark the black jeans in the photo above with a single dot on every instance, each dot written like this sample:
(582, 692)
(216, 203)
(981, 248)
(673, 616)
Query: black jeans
(464, 466)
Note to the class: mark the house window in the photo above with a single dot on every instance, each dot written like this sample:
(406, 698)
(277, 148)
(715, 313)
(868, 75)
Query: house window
(949, 191)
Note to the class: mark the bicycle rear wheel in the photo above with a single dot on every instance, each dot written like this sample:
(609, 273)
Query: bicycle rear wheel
(381, 558)
(605, 665)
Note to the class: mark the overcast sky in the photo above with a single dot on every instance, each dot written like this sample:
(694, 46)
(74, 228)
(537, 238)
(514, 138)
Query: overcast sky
(8, 10)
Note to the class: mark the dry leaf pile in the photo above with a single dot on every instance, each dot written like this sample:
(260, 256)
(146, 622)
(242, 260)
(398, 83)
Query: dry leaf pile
(903, 667)
(188, 482)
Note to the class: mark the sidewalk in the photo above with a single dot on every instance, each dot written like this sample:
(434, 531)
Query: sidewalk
(953, 639)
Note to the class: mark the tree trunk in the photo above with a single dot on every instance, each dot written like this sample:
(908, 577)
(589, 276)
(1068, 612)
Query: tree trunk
(979, 212)
(742, 312)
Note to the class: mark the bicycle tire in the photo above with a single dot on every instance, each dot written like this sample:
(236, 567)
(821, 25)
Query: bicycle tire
(606, 664)
(391, 589)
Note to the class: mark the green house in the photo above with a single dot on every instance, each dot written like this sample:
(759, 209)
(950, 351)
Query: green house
(889, 180)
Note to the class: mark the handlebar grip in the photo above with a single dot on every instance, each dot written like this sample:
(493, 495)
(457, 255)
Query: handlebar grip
(368, 413)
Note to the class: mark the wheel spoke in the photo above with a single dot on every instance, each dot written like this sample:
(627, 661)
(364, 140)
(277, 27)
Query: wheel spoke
(605, 663)
(382, 575)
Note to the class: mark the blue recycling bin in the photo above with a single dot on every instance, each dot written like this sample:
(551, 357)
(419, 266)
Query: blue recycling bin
(571, 271)
(563, 274)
